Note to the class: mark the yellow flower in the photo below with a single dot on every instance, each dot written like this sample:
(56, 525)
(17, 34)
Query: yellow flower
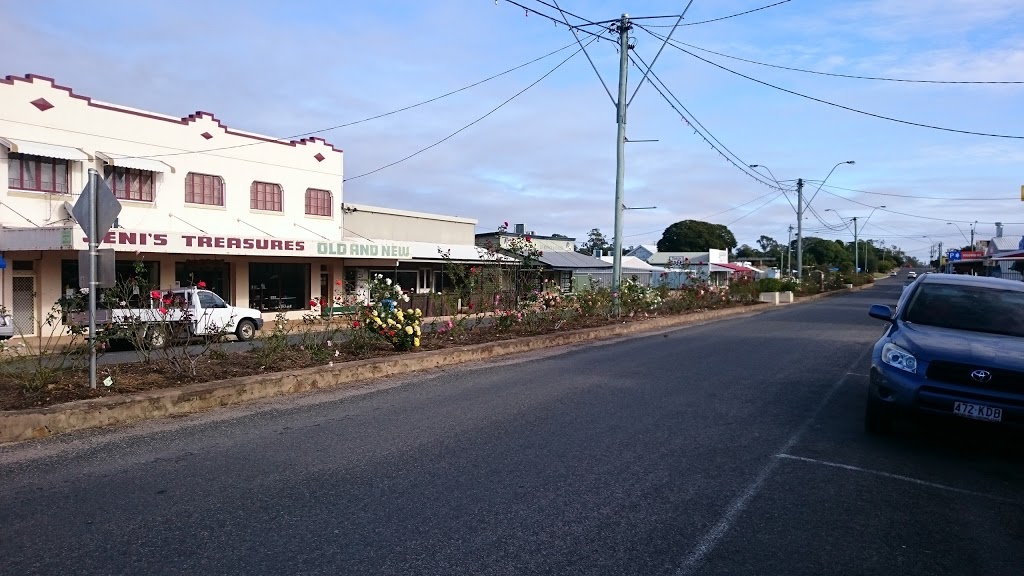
(408, 329)
(416, 342)
(418, 312)
(417, 329)
(374, 312)
(391, 322)
(409, 311)
(377, 320)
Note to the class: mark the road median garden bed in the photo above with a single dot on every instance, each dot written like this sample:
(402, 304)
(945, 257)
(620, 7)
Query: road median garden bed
(384, 338)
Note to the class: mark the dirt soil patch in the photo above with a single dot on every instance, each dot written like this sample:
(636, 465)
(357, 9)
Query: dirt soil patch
(20, 389)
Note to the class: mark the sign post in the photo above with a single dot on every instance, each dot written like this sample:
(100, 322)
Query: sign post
(95, 211)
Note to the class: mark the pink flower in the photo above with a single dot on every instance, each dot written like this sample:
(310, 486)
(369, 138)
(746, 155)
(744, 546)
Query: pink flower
(201, 284)
(337, 282)
(155, 294)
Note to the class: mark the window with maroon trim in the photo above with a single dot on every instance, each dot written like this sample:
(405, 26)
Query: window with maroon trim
(37, 173)
(204, 189)
(265, 196)
(130, 183)
(318, 202)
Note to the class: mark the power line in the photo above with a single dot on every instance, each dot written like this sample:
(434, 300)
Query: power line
(915, 215)
(916, 197)
(835, 74)
(737, 207)
(347, 124)
(453, 134)
(723, 17)
(841, 106)
(743, 166)
(557, 21)
(756, 209)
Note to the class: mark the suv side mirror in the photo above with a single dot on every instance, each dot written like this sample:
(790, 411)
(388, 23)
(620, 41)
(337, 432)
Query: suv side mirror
(881, 312)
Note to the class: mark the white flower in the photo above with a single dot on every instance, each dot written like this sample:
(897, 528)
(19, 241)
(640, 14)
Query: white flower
(405, 298)
(387, 281)
(328, 343)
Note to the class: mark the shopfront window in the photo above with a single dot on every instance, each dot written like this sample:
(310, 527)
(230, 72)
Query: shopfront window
(215, 276)
(274, 287)
(405, 278)
(134, 279)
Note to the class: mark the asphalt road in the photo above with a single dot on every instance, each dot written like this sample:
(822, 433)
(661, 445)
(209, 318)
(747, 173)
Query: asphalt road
(735, 447)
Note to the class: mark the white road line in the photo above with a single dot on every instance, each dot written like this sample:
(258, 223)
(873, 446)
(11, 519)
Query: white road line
(898, 477)
(708, 542)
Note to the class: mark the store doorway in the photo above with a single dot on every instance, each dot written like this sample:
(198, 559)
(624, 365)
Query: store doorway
(23, 305)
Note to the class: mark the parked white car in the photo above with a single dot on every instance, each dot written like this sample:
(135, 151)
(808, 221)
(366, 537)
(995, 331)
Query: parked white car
(179, 314)
(6, 326)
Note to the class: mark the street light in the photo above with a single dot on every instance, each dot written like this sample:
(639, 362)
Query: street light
(971, 241)
(826, 179)
(789, 243)
(856, 243)
(800, 216)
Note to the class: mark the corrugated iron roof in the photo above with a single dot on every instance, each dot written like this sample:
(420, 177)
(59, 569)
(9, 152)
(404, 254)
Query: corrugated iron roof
(572, 260)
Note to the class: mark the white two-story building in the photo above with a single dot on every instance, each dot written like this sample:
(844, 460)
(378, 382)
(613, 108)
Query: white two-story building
(259, 220)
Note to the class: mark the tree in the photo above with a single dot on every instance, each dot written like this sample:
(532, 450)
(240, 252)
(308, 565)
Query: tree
(820, 252)
(745, 251)
(696, 236)
(595, 241)
(769, 245)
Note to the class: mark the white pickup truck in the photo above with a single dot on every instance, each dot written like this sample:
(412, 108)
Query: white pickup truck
(178, 314)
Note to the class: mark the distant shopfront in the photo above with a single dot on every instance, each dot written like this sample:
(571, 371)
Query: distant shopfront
(270, 274)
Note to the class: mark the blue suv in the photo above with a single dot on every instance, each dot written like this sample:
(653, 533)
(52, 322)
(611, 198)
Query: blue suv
(954, 346)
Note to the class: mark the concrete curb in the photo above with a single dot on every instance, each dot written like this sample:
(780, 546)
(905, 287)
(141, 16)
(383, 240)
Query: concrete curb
(18, 425)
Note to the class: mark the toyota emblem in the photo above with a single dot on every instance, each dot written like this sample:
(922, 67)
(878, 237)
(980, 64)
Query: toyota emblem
(981, 376)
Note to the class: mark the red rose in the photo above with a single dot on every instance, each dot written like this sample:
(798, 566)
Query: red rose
(505, 224)
(201, 284)
(355, 324)
(155, 294)
(337, 282)
(313, 303)
(163, 310)
(528, 238)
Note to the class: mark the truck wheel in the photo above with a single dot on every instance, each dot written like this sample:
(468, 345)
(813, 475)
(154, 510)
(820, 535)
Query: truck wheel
(245, 331)
(156, 337)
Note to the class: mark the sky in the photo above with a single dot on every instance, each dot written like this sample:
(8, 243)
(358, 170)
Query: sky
(547, 157)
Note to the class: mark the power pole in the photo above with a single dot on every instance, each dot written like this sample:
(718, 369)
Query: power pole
(799, 227)
(856, 249)
(620, 155)
(972, 236)
(789, 250)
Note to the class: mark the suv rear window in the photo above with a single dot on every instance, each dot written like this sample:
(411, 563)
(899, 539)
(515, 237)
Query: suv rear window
(971, 308)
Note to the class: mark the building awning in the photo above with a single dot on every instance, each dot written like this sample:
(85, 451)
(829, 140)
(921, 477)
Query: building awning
(45, 150)
(147, 164)
(1004, 256)
(730, 268)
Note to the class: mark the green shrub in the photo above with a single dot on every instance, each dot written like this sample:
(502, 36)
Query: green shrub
(768, 285)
